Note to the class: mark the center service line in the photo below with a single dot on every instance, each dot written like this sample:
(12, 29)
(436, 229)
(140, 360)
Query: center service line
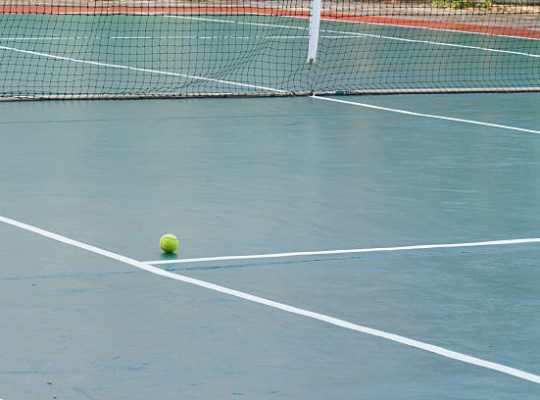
(280, 306)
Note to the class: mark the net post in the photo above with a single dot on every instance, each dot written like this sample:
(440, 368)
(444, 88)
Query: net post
(314, 24)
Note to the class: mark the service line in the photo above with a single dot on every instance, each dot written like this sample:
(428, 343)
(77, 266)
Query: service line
(347, 251)
(281, 306)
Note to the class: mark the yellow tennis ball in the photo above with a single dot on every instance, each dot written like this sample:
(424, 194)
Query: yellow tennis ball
(168, 243)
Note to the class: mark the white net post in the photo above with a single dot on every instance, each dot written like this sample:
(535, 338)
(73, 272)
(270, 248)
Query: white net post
(314, 24)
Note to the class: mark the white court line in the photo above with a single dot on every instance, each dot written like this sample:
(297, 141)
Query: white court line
(280, 306)
(339, 21)
(75, 38)
(396, 110)
(363, 35)
(460, 46)
(163, 14)
(337, 35)
(226, 21)
(350, 34)
(269, 37)
(427, 28)
(151, 71)
(348, 251)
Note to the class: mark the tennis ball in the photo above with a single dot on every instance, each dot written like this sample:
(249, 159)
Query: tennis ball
(168, 243)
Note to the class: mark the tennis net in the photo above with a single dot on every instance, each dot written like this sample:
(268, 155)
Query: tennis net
(69, 49)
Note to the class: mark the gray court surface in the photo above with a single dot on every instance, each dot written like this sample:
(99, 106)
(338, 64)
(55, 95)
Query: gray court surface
(255, 176)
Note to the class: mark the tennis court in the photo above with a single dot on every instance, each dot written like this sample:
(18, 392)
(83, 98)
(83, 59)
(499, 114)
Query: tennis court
(351, 247)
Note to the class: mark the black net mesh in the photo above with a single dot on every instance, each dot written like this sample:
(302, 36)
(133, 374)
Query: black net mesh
(161, 48)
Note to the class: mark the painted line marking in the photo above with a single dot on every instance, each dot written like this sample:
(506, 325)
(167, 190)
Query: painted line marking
(342, 21)
(341, 35)
(396, 110)
(226, 21)
(329, 15)
(215, 37)
(335, 35)
(445, 44)
(363, 35)
(397, 25)
(348, 251)
(428, 28)
(280, 306)
(151, 71)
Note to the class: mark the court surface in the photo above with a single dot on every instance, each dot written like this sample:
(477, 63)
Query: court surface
(249, 177)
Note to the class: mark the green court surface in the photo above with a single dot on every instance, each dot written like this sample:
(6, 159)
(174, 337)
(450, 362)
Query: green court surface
(215, 53)
(241, 177)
